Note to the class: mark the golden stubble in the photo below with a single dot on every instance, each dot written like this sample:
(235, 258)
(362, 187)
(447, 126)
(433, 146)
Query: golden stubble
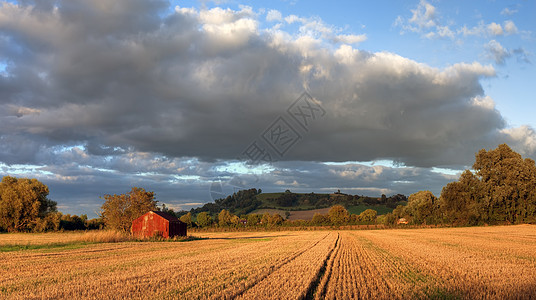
(467, 263)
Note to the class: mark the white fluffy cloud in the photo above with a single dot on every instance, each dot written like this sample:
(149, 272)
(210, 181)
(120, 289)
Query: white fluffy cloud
(350, 38)
(495, 29)
(522, 138)
(510, 27)
(274, 15)
(490, 30)
(424, 15)
(425, 22)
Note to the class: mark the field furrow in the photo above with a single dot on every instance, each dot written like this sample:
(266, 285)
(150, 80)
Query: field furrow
(318, 290)
(293, 280)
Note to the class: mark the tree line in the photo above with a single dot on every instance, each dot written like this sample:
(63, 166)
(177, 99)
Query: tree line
(336, 216)
(501, 189)
(24, 206)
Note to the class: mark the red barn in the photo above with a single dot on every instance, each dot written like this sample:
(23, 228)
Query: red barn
(157, 223)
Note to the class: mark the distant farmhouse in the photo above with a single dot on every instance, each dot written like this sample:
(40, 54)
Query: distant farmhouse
(157, 223)
(402, 221)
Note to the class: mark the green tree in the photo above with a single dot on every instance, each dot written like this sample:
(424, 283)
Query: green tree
(460, 201)
(338, 215)
(187, 218)
(423, 207)
(51, 222)
(508, 185)
(389, 219)
(320, 219)
(253, 219)
(265, 220)
(235, 221)
(225, 218)
(118, 211)
(369, 215)
(23, 202)
(355, 219)
(392, 217)
(204, 219)
(73, 222)
(276, 219)
(96, 223)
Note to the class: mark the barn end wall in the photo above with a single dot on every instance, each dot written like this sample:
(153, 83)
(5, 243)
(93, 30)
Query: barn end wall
(152, 224)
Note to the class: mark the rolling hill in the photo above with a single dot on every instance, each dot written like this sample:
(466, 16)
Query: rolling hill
(298, 205)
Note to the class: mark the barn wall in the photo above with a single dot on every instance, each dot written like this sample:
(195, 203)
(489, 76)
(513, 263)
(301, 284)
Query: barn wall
(177, 229)
(150, 225)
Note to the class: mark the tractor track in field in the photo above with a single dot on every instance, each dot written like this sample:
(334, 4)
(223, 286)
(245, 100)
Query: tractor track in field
(317, 287)
(277, 267)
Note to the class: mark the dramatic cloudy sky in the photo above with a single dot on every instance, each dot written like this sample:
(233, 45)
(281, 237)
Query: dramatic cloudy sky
(193, 99)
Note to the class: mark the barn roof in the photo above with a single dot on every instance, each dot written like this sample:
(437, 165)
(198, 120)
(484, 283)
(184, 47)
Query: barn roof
(165, 216)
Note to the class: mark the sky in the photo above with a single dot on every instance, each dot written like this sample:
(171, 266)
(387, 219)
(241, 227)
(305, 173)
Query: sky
(197, 99)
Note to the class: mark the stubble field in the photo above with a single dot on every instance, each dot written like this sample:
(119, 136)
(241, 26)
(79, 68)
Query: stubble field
(467, 263)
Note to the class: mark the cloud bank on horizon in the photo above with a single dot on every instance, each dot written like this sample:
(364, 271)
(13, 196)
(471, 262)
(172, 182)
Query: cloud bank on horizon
(126, 92)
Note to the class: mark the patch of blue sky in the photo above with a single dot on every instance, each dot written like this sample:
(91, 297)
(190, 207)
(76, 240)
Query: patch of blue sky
(103, 170)
(404, 182)
(147, 174)
(23, 170)
(66, 148)
(240, 167)
(186, 177)
(447, 171)
(3, 69)
(381, 162)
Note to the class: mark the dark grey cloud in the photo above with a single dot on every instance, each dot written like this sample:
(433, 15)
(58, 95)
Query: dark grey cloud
(113, 94)
(130, 75)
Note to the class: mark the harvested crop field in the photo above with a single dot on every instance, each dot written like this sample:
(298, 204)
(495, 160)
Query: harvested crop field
(467, 263)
